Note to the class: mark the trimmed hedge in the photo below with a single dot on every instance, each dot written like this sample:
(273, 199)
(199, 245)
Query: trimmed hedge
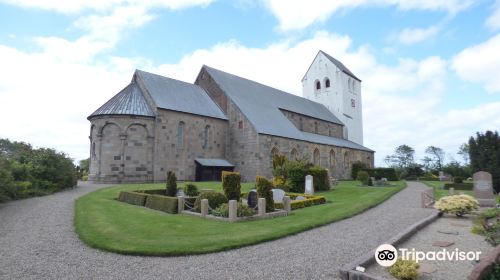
(296, 180)
(171, 189)
(162, 203)
(321, 181)
(215, 199)
(156, 191)
(264, 190)
(379, 173)
(191, 190)
(135, 198)
(310, 200)
(363, 177)
(231, 185)
(459, 187)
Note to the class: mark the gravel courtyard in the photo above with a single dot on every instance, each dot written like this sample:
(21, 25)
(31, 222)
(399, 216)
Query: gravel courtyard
(37, 241)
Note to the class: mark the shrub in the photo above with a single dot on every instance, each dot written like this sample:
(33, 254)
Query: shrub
(231, 185)
(457, 204)
(310, 200)
(163, 203)
(321, 181)
(356, 167)
(297, 172)
(264, 189)
(494, 274)
(488, 224)
(215, 199)
(370, 182)
(458, 180)
(363, 177)
(460, 187)
(191, 190)
(242, 210)
(404, 269)
(171, 184)
(134, 198)
(379, 173)
(280, 183)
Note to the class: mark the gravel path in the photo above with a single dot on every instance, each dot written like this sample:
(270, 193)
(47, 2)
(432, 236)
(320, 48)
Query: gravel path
(465, 241)
(37, 241)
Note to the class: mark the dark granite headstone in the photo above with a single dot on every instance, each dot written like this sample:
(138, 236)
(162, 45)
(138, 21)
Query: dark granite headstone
(252, 199)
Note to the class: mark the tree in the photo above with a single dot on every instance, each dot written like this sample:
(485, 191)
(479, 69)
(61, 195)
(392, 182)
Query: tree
(403, 157)
(435, 159)
(463, 151)
(484, 153)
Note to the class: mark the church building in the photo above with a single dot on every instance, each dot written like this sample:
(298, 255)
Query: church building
(225, 122)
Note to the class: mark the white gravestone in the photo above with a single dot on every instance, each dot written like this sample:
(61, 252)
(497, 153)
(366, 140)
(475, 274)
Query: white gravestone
(309, 185)
(278, 195)
(483, 189)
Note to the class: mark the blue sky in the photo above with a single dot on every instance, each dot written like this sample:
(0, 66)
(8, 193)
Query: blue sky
(430, 69)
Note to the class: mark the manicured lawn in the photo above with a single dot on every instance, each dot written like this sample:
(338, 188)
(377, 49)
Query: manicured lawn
(105, 223)
(440, 192)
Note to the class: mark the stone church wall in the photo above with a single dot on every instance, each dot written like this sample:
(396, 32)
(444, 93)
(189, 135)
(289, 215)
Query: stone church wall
(121, 149)
(309, 124)
(169, 156)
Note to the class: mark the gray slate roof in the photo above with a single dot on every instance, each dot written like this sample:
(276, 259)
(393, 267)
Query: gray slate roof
(179, 96)
(129, 101)
(261, 104)
(217, 162)
(340, 65)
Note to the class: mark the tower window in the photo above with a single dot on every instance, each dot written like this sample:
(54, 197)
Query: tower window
(327, 83)
(318, 85)
(353, 103)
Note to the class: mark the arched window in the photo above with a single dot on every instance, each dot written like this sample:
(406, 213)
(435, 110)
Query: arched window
(274, 151)
(331, 161)
(327, 83)
(318, 85)
(346, 161)
(293, 154)
(316, 157)
(206, 132)
(180, 135)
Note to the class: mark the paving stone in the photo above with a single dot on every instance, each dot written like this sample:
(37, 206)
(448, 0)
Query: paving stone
(442, 243)
(427, 268)
(448, 232)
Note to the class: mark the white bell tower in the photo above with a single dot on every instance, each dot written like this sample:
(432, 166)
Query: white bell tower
(330, 83)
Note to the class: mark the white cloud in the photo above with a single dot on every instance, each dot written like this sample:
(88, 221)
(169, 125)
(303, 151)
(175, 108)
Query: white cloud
(410, 36)
(298, 14)
(78, 6)
(493, 21)
(480, 63)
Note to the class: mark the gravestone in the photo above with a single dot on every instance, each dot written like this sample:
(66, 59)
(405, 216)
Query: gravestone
(483, 189)
(278, 195)
(180, 192)
(252, 199)
(300, 198)
(309, 185)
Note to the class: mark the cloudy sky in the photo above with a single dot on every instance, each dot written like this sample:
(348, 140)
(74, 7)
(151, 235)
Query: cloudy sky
(430, 68)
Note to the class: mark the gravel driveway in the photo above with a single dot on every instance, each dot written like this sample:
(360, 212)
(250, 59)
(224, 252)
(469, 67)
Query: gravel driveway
(37, 241)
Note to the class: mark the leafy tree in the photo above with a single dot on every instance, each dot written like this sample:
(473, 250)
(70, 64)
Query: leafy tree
(435, 159)
(463, 151)
(484, 153)
(455, 169)
(402, 158)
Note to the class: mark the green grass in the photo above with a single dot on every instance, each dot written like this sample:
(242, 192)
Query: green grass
(105, 223)
(440, 192)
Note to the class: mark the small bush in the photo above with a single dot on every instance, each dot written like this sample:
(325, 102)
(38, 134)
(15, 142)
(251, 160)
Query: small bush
(494, 274)
(321, 181)
(363, 177)
(163, 203)
(459, 186)
(310, 200)
(191, 190)
(242, 210)
(458, 180)
(264, 189)
(404, 269)
(296, 177)
(231, 185)
(370, 182)
(457, 204)
(215, 199)
(379, 173)
(356, 167)
(134, 198)
(171, 184)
